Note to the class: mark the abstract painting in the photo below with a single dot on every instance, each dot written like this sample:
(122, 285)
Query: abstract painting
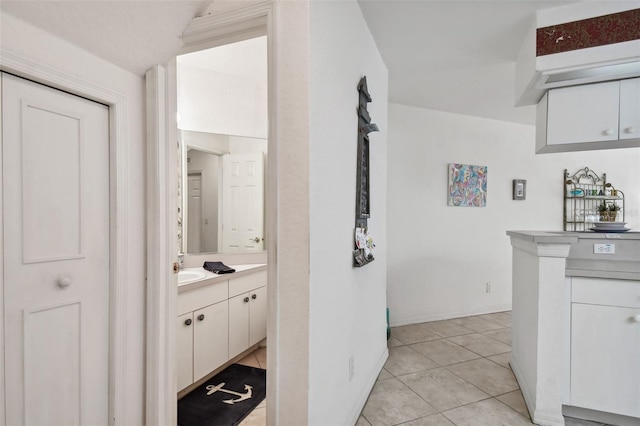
(467, 185)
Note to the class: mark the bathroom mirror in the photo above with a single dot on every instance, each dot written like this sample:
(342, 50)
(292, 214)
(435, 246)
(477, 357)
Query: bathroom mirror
(222, 193)
(223, 124)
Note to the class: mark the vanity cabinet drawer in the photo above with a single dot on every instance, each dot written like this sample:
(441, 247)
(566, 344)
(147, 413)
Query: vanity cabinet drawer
(608, 292)
(200, 297)
(247, 283)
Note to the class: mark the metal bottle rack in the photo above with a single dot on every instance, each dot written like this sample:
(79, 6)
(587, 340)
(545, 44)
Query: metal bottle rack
(584, 191)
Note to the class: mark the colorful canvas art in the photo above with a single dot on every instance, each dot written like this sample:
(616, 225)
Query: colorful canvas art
(467, 185)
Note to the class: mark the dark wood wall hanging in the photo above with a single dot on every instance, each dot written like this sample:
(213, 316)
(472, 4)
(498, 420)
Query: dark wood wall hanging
(362, 253)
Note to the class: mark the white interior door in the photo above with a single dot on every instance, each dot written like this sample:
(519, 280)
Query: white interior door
(56, 256)
(243, 202)
(194, 213)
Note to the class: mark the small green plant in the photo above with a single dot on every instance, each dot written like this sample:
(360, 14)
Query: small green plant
(613, 207)
(602, 207)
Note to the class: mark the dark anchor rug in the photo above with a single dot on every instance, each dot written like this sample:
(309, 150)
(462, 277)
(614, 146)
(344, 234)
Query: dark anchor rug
(225, 399)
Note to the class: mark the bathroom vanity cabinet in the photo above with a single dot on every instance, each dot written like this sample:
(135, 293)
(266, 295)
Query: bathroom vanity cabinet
(247, 312)
(219, 317)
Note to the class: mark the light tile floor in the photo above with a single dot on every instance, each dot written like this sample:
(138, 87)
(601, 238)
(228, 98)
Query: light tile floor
(450, 373)
(258, 417)
(442, 373)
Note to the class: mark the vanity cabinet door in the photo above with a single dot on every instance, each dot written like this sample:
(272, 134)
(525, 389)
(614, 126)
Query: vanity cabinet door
(184, 350)
(605, 358)
(210, 339)
(238, 324)
(257, 315)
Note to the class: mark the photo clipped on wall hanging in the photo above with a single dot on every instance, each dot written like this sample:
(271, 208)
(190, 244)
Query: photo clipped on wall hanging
(467, 185)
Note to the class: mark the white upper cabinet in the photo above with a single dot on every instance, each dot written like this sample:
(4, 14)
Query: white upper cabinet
(630, 108)
(583, 113)
(593, 116)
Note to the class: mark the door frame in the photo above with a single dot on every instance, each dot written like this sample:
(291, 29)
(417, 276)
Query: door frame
(202, 33)
(119, 271)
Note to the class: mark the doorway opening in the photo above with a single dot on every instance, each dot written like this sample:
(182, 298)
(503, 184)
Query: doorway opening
(223, 137)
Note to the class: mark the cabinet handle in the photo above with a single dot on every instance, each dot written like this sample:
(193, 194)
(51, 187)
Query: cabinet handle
(254, 296)
(187, 322)
(201, 317)
(637, 318)
(246, 300)
(608, 132)
(630, 130)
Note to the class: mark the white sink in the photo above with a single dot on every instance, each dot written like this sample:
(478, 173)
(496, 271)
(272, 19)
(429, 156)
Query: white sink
(185, 276)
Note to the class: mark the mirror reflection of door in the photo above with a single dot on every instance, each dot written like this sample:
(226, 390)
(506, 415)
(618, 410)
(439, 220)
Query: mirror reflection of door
(194, 209)
(243, 202)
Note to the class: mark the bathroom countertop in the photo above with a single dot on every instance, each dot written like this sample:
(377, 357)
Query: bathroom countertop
(211, 278)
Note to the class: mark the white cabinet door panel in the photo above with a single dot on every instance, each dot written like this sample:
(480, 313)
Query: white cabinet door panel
(184, 350)
(210, 339)
(586, 113)
(238, 324)
(258, 315)
(605, 359)
(630, 108)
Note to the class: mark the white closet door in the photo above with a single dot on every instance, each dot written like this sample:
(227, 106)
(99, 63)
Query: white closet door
(56, 245)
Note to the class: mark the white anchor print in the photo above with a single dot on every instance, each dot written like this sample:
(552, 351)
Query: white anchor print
(242, 396)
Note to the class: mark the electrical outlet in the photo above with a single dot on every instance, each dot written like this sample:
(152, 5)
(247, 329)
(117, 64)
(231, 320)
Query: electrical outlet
(488, 287)
(352, 371)
(604, 249)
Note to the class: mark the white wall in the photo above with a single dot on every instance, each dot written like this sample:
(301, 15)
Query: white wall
(440, 257)
(215, 102)
(347, 304)
(41, 47)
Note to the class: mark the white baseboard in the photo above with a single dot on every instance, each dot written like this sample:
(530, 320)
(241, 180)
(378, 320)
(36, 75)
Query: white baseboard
(599, 416)
(537, 416)
(449, 315)
(524, 386)
(355, 414)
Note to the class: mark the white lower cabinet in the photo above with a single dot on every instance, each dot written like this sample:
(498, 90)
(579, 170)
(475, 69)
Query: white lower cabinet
(210, 339)
(202, 342)
(247, 320)
(184, 350)
(605, 345)
(218, 321)
(258, 316)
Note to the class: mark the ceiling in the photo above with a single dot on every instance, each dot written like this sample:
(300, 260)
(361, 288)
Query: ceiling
(134, 34)
(454, 55)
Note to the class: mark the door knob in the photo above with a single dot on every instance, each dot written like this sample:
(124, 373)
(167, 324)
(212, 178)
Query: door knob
(608, 132)
(254, 296)
(246, 300)
(636, 318)
(630, 130)
(201, 317)
(64, 281)
(255, 240)
(188, 322)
